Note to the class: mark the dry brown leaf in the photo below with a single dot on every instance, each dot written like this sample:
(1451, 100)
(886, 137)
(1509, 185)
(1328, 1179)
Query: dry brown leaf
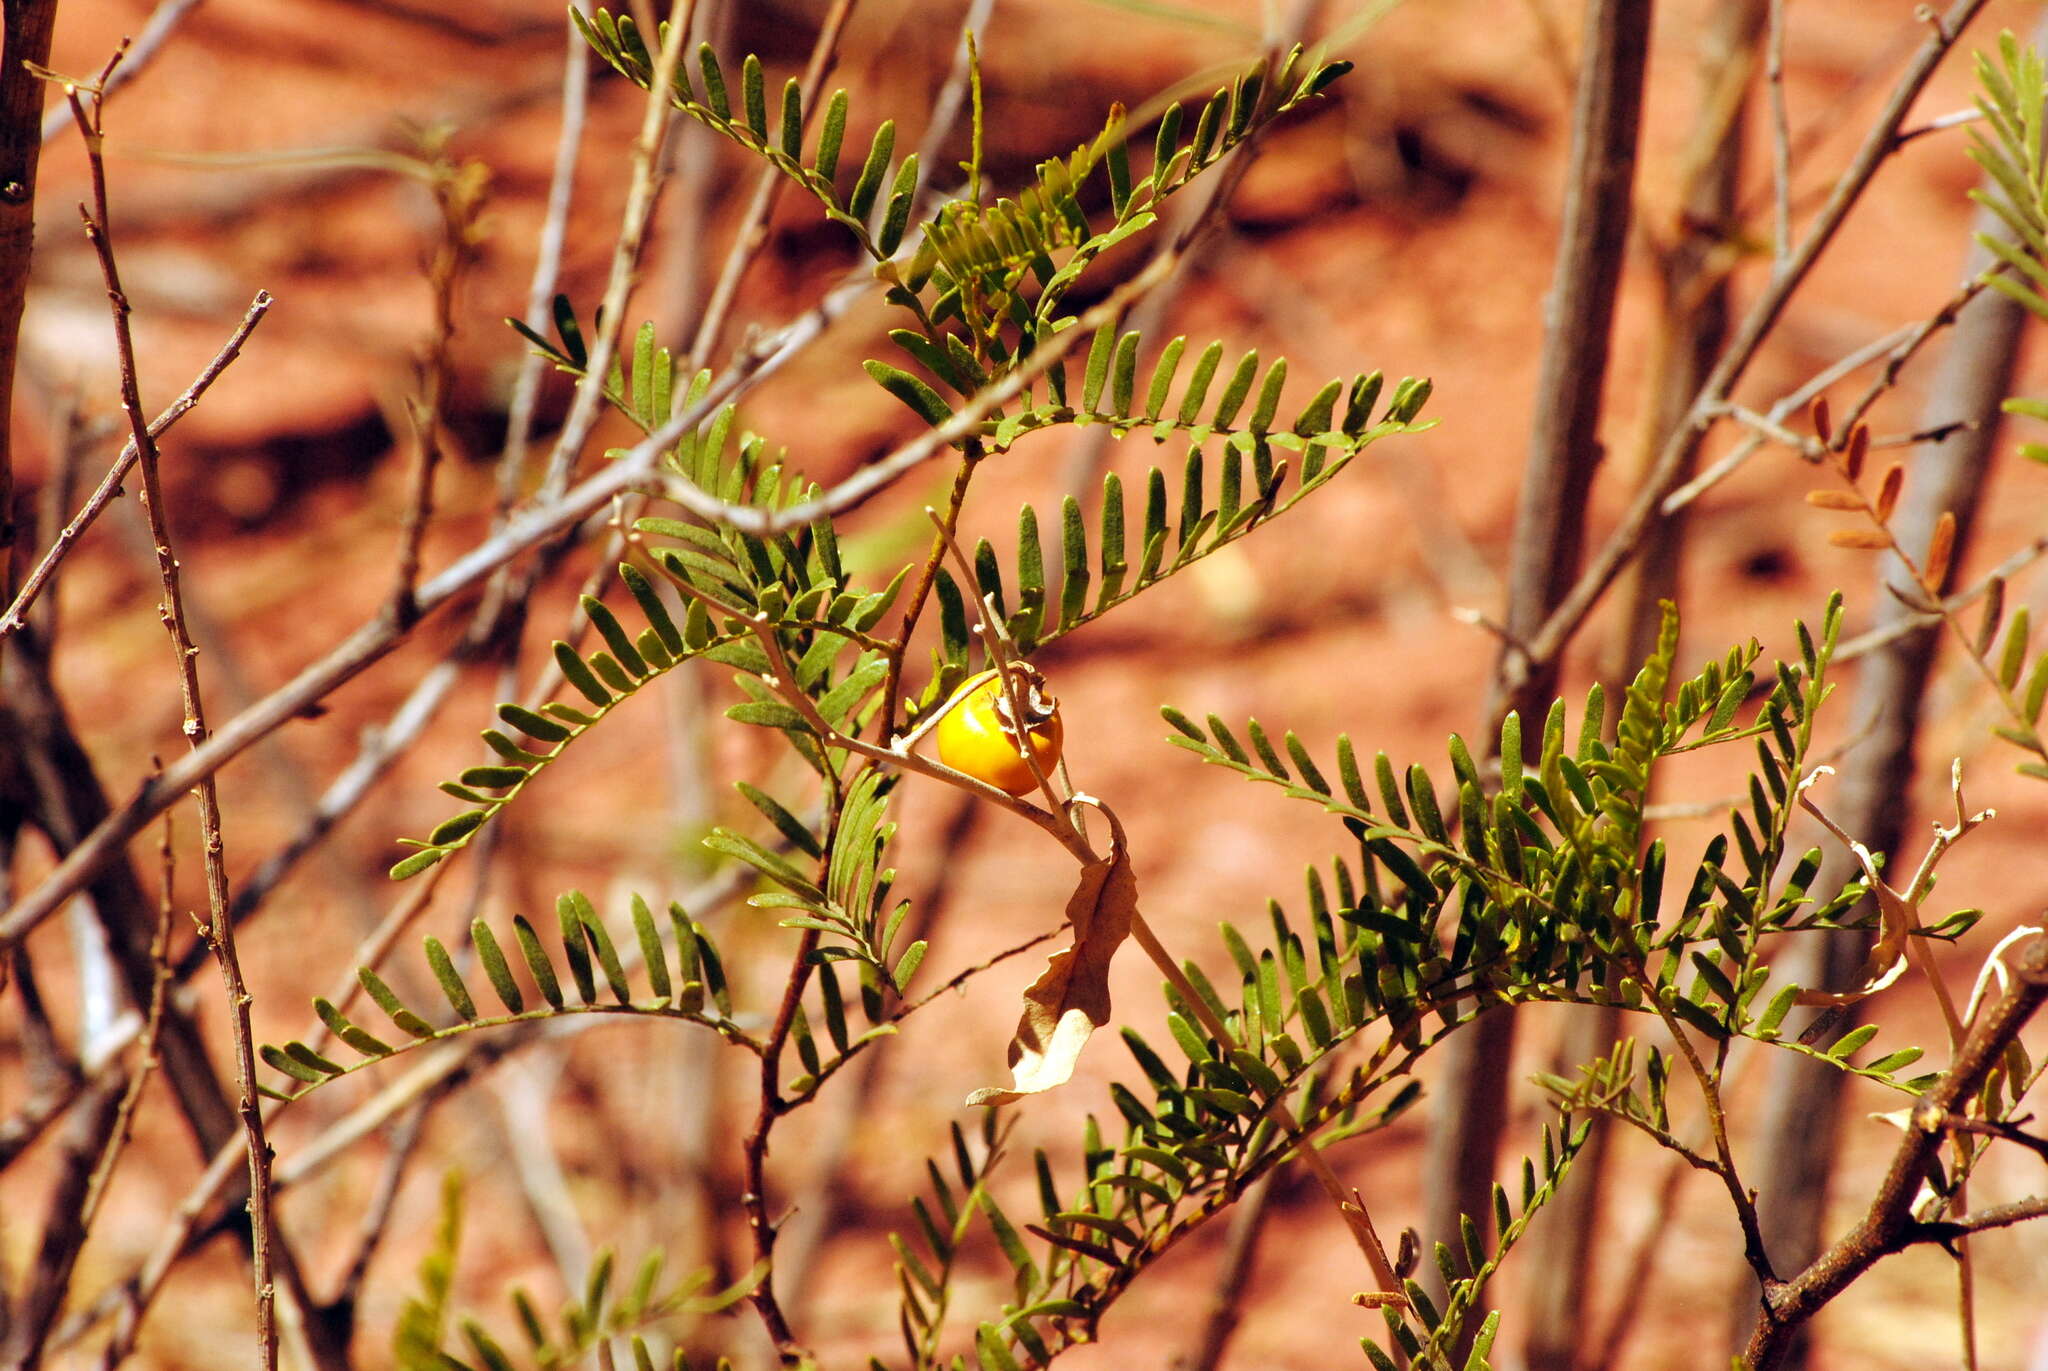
(1939, 549)
(1898, 917)
(1857, 450)
(1834, 499)
(1887, 959)
(1994, 615)
(1066, 1004)
(1867, 539)
(1888, 492)
(1823, 427)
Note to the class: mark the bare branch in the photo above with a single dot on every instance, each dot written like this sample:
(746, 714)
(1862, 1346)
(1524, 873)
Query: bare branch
(547, 260)
(156, 31)
(768, 184)
(376, 638)
(220, 933)
(109, 488)
(1625, 540)
(458, 193)
(1781, 136)
(26, 40)
(1888, 1225)
(640, 198)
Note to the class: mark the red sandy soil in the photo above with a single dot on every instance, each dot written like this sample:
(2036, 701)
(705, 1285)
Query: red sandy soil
(1408, 223)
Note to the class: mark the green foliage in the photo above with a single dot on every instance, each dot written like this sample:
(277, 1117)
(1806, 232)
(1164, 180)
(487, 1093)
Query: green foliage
(980, 262)
(1101, 570)
(602, 680)
(706, 98)
(2011, 93)
(696, 992)
(2010, 96)
(1426, 1335)
(975, 263)
(594, 1320)
(1543, 889)
(2001, 646)
(1456, 892)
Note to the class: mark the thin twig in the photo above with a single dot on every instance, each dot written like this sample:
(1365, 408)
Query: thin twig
(110, 485)
(1781, 136)
(1998, 1216)
(547, 261)
(458, 195)
(1788, 404)
(156, 31)
(640, 198)
(1942, 318)
(1762, 318)
(768, 184)
(152, 1033)
(2008, 1130)
(220, 930)
(1744, 1201)
(1955, 119)
(946, 105)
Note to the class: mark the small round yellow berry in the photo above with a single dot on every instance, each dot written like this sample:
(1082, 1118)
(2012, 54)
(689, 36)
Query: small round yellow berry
(977, 735)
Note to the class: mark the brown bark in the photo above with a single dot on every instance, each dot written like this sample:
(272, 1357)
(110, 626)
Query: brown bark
(1564, 451)
(26, 39)
(1692, 328)
(1888, 1225)
(1802, 1109)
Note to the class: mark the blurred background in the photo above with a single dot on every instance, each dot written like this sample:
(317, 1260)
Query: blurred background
(1406, 222)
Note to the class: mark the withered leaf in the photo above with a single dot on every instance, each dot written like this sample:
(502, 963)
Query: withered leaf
(1899, 916)
(1067, 1003)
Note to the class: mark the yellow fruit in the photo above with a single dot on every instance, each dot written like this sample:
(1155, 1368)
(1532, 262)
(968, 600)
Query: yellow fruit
(977, 735)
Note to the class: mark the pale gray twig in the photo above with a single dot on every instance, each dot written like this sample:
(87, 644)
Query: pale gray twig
(588, 403)
(1623, 543)
(547, 260)
(1781, 136)
(769, 181)
(110, 485)
(163, 21)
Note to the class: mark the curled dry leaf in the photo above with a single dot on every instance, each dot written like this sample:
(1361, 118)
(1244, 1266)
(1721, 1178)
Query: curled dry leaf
(1887, 960)
(1067, 1003)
